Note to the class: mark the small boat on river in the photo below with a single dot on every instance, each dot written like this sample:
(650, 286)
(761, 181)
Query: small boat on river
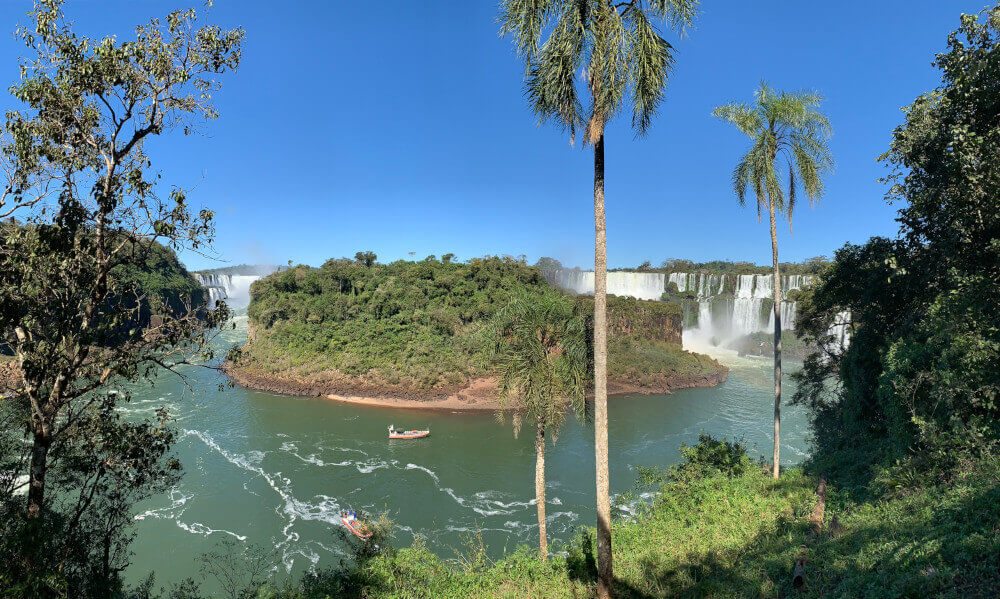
(359, 528)
(394, 434)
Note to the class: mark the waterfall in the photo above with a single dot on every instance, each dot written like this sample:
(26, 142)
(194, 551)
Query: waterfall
(750, 297)
(641, 285)
(725, 308)
(235, 289)
(840, 330)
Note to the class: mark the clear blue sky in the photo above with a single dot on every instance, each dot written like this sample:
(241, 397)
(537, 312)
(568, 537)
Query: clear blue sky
(400, 126)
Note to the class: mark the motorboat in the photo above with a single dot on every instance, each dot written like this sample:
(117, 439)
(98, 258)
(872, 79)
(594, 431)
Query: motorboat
(412, 434)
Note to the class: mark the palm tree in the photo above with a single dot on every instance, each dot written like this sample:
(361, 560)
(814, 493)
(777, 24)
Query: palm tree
(603, 51)
(786, 126)
(539, 346)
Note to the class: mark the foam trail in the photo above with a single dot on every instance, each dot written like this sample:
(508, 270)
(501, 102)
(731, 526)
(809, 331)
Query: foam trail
(325, 510)
(427, 470)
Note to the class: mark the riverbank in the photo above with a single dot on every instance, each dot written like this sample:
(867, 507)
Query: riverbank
(477, 394)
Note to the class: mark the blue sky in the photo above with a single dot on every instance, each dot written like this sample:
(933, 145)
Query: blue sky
(400, 126)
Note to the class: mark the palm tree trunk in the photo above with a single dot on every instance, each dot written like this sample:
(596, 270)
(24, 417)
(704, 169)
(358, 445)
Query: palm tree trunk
(605, 576)
(777, 339)
(543, 541)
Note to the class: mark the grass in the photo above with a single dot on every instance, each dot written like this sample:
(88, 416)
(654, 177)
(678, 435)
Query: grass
(739, 536)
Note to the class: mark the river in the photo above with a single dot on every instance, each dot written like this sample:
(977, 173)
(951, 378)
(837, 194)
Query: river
(275, 470)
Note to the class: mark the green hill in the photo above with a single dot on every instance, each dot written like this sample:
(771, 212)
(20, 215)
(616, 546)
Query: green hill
(407, 328)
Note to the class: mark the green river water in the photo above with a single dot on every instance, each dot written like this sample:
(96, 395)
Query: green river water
(275, 470)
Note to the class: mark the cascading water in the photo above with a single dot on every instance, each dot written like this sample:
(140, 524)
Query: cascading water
(641, 285)
(728, 306)
(738, 305)
(235, 289)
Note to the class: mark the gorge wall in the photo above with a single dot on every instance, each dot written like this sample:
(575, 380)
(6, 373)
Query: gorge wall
(651, 321)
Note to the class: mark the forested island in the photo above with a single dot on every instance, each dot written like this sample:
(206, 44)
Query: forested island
(408, 333)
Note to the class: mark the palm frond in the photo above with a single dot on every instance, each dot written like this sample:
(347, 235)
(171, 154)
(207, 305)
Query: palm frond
(610, 51)
(607, 69)
(742, 116)
(679, 14)
(651, 63)
(791, 192)
(524, 19)
(785, 126)
(551, 82)
(538, 349)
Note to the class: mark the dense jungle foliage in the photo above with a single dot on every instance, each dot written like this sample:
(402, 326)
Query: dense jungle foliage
(916, 395)
(162, 279)
(152, 281)
(413, 323)
(403, 322)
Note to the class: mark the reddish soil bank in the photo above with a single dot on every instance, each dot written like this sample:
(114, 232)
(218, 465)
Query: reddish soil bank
(477, 395)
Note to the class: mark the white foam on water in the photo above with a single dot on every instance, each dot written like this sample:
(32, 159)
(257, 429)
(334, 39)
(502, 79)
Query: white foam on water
(482, 504)
(327, 509)
(427, 470)
(412, 532)
(571, 516)
(200, 529)
(373, 465)
(631, 509)
(178, 499)
(312, 458)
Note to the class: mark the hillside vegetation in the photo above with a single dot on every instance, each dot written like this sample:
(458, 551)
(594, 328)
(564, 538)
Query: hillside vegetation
(411, 325)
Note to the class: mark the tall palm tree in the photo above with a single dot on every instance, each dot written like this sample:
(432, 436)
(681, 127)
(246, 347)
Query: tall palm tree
(598, 56)
(539, 346)
(787, 132)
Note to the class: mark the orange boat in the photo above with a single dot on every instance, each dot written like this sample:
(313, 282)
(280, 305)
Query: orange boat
(394, 434)
(360, 530)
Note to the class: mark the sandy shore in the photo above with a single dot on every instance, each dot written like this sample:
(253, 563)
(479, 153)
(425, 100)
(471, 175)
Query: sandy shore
(476, 396)
(450, 403)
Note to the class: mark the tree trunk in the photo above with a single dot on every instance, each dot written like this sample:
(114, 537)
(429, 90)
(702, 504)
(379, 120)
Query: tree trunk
(543, 541)
(36, 474)
(605, 576)
(777, 339)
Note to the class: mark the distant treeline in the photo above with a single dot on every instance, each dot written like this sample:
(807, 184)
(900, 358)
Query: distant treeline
(811, 266)
(242, 269)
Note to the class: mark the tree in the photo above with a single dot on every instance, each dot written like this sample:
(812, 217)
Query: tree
(919, 381)
(367, 258)
(786, 126)
(601, 50)
(546, 263)
(539, 344)
(89, 209)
